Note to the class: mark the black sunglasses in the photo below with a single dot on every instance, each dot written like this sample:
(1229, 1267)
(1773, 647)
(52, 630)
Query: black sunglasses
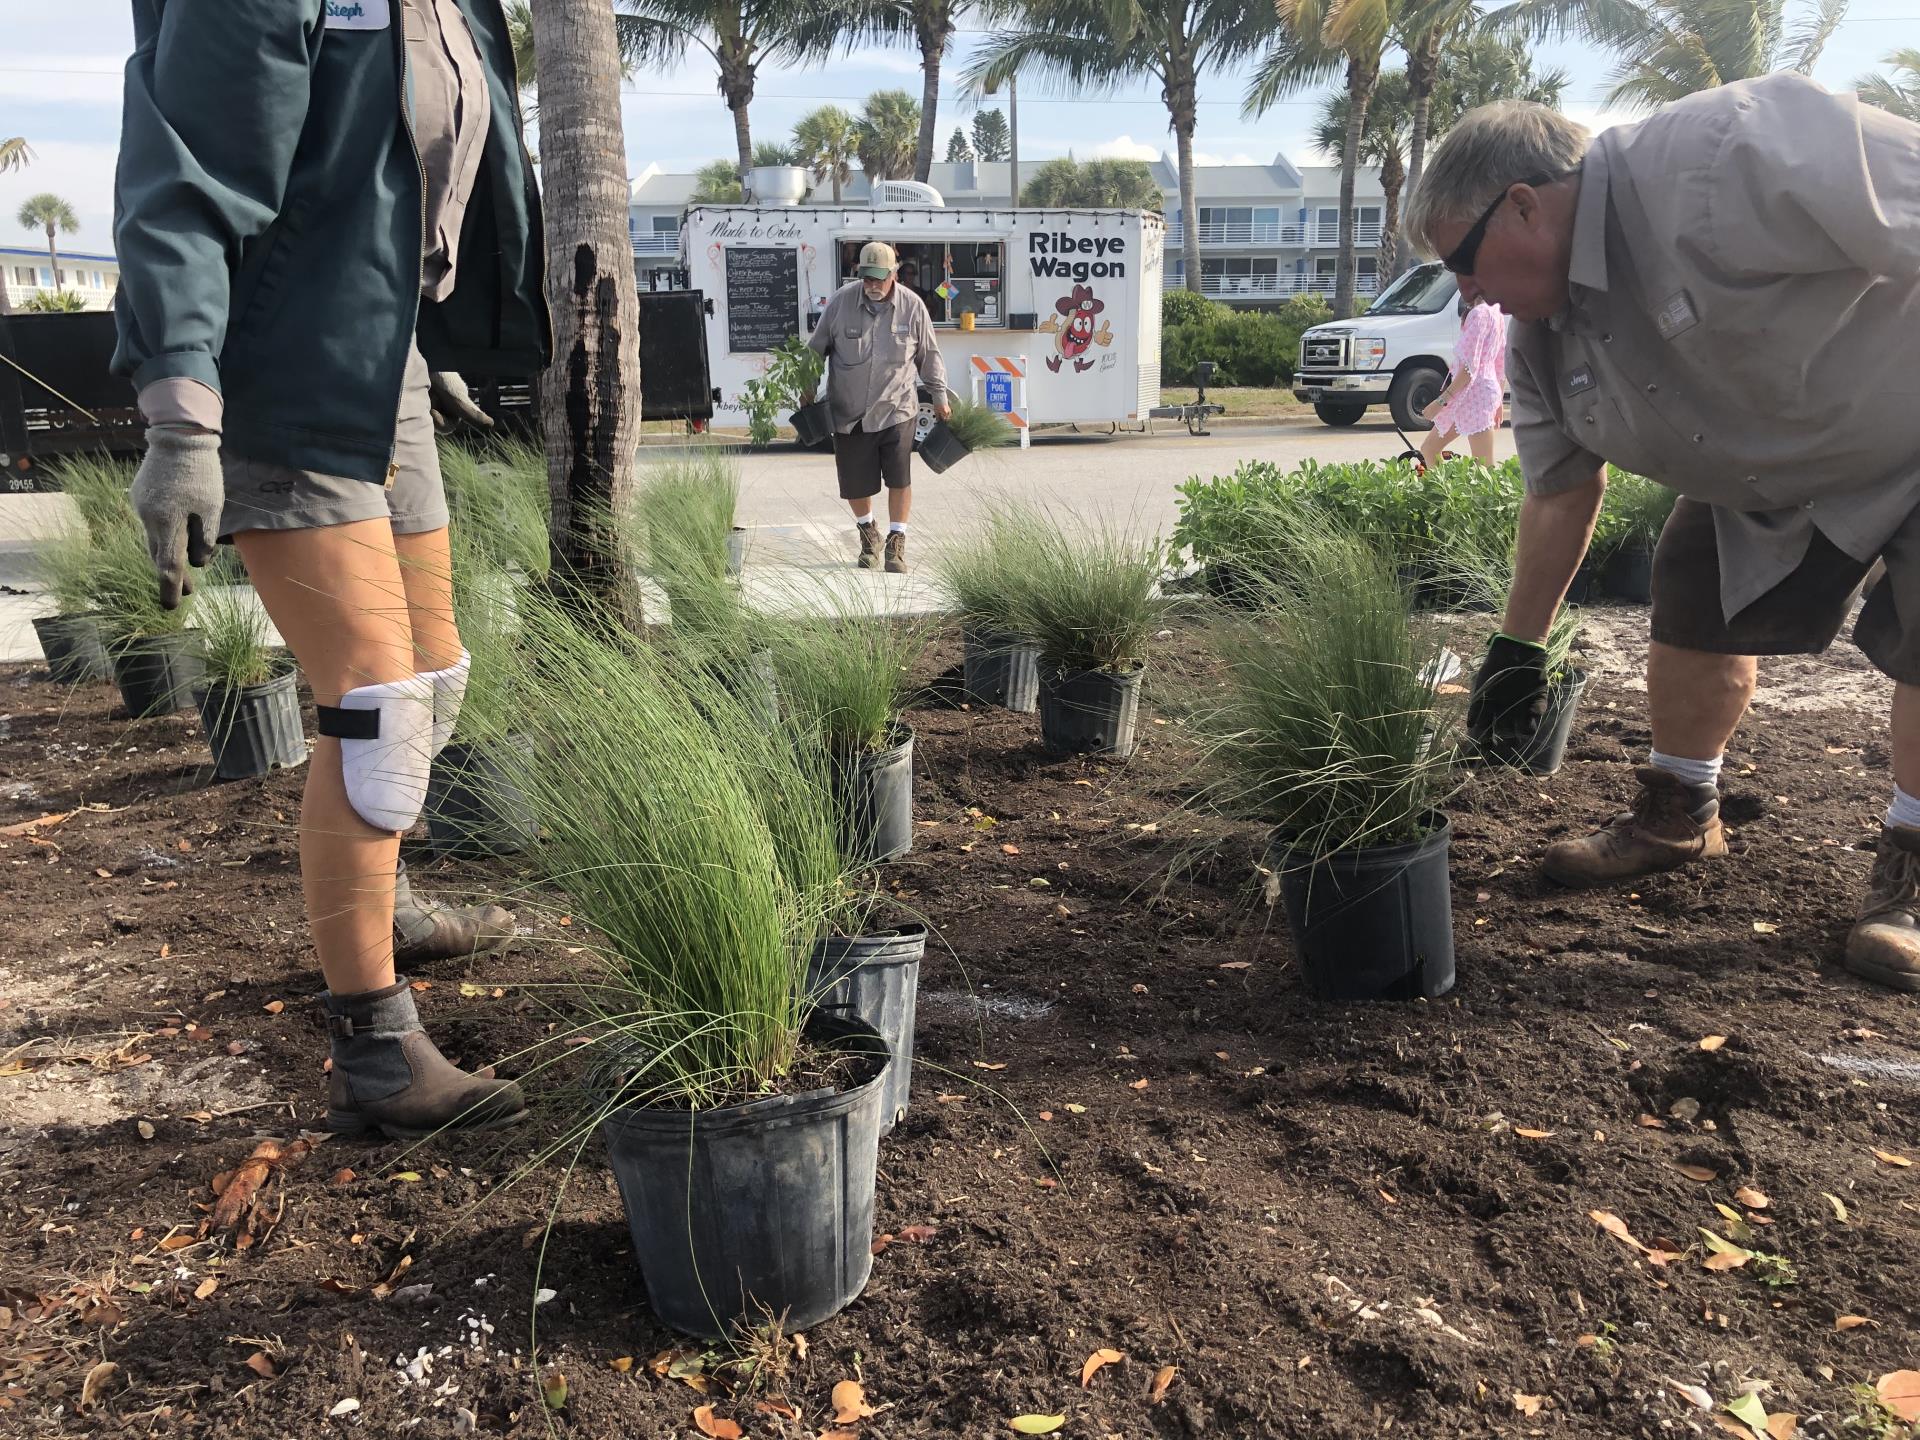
(1462, 257)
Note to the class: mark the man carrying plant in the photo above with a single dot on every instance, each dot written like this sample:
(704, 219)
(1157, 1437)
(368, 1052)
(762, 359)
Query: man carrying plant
(1724, 297)
(879, 338)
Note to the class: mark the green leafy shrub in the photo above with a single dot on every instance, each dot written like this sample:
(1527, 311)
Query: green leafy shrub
(1248, 347)
(1185, 307)
(794, 369)
(1633, 514)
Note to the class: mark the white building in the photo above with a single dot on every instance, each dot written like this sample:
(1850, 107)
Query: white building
(28, 272)
(1267, 232)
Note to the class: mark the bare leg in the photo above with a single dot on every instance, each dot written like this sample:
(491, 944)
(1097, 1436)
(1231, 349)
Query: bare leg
(862, 507)
(1906, 738)
(1696, 700)
(1436, 441)
(426, 572)
(1481, 444)
(900, 503)
(337, 596)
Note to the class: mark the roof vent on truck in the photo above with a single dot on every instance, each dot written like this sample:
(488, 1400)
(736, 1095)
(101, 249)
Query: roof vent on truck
(905, 194)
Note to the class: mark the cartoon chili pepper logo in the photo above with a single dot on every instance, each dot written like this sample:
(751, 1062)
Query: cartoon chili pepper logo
(1072, 324)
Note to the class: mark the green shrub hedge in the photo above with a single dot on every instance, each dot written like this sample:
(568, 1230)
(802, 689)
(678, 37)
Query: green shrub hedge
(1248, 347)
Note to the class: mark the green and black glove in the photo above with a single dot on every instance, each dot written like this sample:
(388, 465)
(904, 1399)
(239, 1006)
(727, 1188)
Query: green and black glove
(1509, 696)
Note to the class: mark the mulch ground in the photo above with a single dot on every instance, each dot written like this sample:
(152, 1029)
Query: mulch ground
(1131, 1129)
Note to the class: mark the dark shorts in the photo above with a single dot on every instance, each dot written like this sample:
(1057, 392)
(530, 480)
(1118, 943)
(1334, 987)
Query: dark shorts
(1799, 616)
(863, 458)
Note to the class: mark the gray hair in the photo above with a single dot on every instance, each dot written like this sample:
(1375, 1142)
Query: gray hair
(1491, 148)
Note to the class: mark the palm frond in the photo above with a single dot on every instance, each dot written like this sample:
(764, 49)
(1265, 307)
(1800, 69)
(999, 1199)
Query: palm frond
(1811, 36)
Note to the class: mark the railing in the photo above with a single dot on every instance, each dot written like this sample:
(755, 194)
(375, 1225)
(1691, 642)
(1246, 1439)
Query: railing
(1270, 287)
(1328, 236)
(1236, 232)
(94, 298)
(651, 243)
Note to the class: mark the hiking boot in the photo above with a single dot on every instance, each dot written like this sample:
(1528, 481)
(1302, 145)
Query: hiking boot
(1885, 944)
(1671, 823)
(423, 934)
(897, 552)
(869, 546)
(389, 1077)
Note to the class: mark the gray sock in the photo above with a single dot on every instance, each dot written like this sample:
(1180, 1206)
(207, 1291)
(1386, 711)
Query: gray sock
(366, 1030)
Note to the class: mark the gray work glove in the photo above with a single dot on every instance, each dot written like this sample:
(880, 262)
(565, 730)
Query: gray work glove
(453, 403)
(177, 494)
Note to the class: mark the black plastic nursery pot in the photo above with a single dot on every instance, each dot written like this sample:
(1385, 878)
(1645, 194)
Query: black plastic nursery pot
(876, 801)
(877, 978)
(1628, 574)
(758, 1209)
(1375, 923)
(1001, 670)
(736, 549)
(812, 424)
(1585, 587)
(940, 449)
(72, 646)
(1089, 712)
(474, 805)
(1547, 750)
(157, 674)
(253, 730)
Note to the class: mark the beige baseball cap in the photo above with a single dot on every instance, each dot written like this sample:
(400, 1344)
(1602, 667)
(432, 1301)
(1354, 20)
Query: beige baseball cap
(877, 260)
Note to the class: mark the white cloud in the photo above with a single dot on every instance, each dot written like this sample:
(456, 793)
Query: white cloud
(82, 175)
(1124, 147)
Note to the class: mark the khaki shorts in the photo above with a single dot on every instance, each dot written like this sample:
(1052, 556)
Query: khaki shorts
(262, 496)
(1799, 616)
(863, 458)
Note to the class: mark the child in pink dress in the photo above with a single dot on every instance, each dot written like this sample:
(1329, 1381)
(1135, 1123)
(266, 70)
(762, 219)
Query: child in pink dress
(1471, 404)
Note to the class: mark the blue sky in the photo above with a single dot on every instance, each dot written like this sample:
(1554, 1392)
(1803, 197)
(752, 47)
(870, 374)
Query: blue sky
(60, 87)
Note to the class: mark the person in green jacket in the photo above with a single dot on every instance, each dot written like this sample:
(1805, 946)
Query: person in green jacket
(324, 212)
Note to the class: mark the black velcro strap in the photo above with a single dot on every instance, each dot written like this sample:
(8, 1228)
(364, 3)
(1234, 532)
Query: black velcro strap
(347, 724)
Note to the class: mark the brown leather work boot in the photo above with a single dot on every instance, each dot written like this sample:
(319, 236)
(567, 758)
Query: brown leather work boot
(869, 545)
(1885, 944)
(389, 1077)
(425, 933)
(1671, 823)
(896, 552)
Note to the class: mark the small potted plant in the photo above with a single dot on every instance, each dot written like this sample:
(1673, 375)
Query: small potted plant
(1547, 750)
(246, 693)
(742, 1124)
(1632, 517)
(969, 426)
(981, 574)
(1327, 734)
(154, 656)
(1087, 598)
(63, 565)
(793, 372)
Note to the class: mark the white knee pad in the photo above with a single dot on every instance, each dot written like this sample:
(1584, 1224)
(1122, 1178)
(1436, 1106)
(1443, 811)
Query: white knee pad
(386, 748)
(449, 689)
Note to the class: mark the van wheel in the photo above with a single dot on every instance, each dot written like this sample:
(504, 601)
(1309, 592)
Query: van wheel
(1331, 413)
(1415, 388)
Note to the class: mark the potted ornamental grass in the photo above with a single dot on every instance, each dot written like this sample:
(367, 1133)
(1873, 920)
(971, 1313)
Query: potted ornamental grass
(497, 505)
(155, 658)
(1327, 734)
(246, 693)
(1632, 516)
(1087, 598)
(969, 426)
(693, 850)
(686, 506)
(63, 565)
(792, 372)
(1545, 750)
(980, 574)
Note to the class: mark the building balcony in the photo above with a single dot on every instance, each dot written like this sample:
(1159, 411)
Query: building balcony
(655, 243)
(1234, 233)
(1269, 287)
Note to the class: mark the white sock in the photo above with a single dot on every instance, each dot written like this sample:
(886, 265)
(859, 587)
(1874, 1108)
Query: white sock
(863, 520)
(896, 527)
(1904, 811)
(1694, 772)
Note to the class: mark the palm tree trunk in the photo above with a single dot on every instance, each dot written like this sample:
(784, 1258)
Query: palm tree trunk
(1393, 178)
(590, 397)
(1360, 81)
(1183, 126)
(738, 98)
(933, 48)
(1423, 67)
(53, 254)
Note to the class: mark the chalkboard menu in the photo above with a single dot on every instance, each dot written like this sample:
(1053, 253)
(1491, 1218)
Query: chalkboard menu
(763, 298)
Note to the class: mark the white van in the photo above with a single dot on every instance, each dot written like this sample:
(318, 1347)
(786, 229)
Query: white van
(1398, 354)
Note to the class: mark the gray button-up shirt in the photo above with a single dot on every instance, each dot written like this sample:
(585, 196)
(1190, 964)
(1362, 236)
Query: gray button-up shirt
(874, 352)
(1744, 325)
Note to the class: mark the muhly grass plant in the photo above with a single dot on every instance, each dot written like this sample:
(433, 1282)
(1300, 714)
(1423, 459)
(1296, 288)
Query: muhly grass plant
(1087, 596)
(687, 506)
(98, 487)
(497, 504)
(845, 678)
(234, 631)
(64, 565)
(1328, 729)
(980, 571)
(126, 593)
(978, 427)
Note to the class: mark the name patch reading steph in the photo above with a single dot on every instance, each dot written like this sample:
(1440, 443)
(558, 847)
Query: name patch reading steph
(358, 15)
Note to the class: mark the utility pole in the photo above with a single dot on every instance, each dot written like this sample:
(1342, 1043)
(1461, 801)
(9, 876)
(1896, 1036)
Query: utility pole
(1013, 138)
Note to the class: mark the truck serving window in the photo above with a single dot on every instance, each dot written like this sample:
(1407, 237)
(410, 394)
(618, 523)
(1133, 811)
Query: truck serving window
(1424, 290)
(970, 272)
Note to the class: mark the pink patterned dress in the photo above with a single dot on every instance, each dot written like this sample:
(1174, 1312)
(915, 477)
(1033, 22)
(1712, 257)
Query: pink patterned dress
(1482, 353)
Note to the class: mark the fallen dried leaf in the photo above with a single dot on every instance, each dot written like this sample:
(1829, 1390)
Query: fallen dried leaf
(620, 1364)
(707, 1423)
(989, 1065)
(1733, 1427)
(1533, 1134)
(1693, 1393)
(1046, 1115)
(1713, 1042)
(1528, 1404)
(1839, 1209)
(144, 1129)
(95, 1385)
(1889, 1158)
(850, 1403)
(1899, 1391)
(880, 1243)
(1236, 965)
(1076, 1109)
(1139, 1084)
(343, 1407)
(407, 1176)
(419, 985)
(1748, 1410)
(1096, 1362)
(1852, 1322)
(776, 1407)
(1762, 927)
(800, 1345)
(1157, 1387)
(1704, 1174)
(1751, 1198)
(261, 1364)
(104, 873)
(1037, 1424)
(1783, 1426)
(274, 1007)
(343, 1176)
(949, 1099)
(918, 1234)
(1047, 1182)
(237, 1195)
(205, 1288)
(1009, 849)
(176, 1242)
(837, 1433)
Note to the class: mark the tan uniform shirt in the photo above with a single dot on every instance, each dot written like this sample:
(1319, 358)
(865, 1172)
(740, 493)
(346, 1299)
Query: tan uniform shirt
(450, 111)
(873, 353)
(1744, 325)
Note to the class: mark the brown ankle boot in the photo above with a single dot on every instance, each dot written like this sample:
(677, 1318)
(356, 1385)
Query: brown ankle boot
(424, 933)
(1671, 823)
(388, 1076)
(897, 552)
(1885, 944)
(869, 545)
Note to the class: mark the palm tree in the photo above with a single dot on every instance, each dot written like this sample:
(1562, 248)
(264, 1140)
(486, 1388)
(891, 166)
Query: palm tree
(1080, 46)
(590, 398)
(1898, 94)
(15, 154)
(827, 140)
(1383, 143)
(927, 25)
(1671, 48)
(1094, 184)
(50, 213)
(886, 134)
(740, 35)
(717, 183)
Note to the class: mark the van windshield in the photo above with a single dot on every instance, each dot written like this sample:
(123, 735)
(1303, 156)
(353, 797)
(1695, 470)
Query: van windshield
(1424, 290)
